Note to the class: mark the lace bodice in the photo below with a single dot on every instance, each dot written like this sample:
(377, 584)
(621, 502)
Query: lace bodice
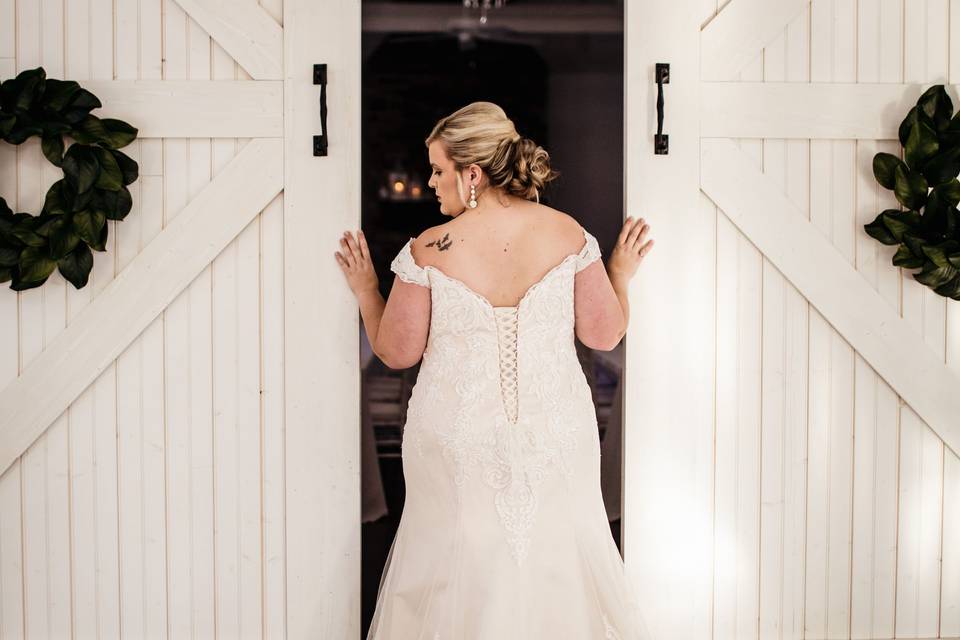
(506, 319)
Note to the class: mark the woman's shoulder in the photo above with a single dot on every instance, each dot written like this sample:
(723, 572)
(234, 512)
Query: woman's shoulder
(553, 225)
(545, 218)
(431, 242)
(560, 227)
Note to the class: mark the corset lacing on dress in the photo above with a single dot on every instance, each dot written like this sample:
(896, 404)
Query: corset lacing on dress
(507, 339)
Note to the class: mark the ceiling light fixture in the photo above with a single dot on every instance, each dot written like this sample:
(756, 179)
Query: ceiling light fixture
(484, 7)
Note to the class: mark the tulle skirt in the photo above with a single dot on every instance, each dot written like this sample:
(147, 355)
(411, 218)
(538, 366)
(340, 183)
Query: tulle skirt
(459, 581)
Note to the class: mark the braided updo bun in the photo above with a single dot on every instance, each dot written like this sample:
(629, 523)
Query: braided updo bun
(482, 134)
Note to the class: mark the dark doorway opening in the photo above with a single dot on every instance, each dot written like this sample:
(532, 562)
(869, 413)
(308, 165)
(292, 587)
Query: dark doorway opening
(556, 68)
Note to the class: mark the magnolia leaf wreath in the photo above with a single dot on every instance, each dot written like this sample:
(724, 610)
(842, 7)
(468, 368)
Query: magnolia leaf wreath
(925, 183)
(93, 190)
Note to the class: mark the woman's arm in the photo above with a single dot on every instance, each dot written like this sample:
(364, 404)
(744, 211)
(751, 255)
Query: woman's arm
(372, 305)
(620, 285)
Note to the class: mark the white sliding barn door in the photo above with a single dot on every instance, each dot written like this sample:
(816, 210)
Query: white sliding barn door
(178, 439)
(793, 400)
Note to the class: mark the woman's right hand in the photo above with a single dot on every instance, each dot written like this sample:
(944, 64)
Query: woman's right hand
(630, 249)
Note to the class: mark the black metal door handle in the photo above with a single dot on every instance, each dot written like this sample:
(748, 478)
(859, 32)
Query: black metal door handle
(661, 140)
(320, 78)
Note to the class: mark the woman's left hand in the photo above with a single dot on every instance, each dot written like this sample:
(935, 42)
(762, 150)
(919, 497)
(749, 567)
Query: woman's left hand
(356, 264)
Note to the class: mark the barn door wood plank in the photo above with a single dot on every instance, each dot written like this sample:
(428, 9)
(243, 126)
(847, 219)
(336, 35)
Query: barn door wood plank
(738, 33)
(245, 30)
(839, 292)
(101, 332)
(195, 108)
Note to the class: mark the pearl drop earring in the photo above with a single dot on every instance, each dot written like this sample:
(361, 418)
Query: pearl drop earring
(473, 197)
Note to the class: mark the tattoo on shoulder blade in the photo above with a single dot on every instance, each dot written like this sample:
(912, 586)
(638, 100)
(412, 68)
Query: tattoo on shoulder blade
(442, 244)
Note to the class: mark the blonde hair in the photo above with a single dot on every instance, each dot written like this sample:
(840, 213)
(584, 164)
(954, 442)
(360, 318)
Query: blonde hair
(482, 134)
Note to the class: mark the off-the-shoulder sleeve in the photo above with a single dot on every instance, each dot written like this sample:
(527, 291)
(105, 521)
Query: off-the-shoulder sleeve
(589, 253)
(408, 270)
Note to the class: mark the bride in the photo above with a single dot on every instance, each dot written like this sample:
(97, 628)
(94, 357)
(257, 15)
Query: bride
(503, 532)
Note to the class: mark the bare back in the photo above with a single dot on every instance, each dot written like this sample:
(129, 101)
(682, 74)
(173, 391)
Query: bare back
(500, 254)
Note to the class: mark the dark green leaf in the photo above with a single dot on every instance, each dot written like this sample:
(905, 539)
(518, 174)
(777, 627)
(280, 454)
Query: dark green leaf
(76, 266)
(80, 105)
(80, 167)
(128, 166)
(9, 256)
(899, 222)
(954, 259)
(101, 243)
(62, 239)
(35, 265)
(921, 145)
(25, 234)
(950, 191)
(88, 224)
(953, 221)
(57, 94)
(107, 132)
(9, 89)
(19, 284)
(119, 133)
(45, 224)
(943, 167)
(951, 135)
(6, 274)
(879, 231)
(110, 177)
(52, 147)
(7, 225)
(52, 127)
(884, 165)
(905, 258)
(936, 105)
(7, 120)
(904, 131)
(90, 130)
(936, 254)
(910, 188)
(81, 201)
(933, 221)
(115, 205)
(56, 202)
(950, 289)
(935, 276)
(915, 244)
(23, 129)
(30, 89)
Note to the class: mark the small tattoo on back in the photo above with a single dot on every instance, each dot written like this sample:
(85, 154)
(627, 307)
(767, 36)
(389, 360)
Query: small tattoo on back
(442, 244)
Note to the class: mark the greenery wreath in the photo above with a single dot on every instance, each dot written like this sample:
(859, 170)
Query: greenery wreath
(92, 191)
(925, 183)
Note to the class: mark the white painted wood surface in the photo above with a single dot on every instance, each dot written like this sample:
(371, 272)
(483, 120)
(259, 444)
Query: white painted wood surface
(829, 434)
(794, 245)
(245, 30)
(195, 108)
(134, 299)
(816, 110)
(669, 381)
(196, 484)
(322, 372)
(153, 481)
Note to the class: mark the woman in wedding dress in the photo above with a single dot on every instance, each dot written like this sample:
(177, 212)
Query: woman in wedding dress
(503, 534)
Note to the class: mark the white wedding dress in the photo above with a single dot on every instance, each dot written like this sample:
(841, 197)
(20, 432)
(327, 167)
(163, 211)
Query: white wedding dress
(503, 534)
